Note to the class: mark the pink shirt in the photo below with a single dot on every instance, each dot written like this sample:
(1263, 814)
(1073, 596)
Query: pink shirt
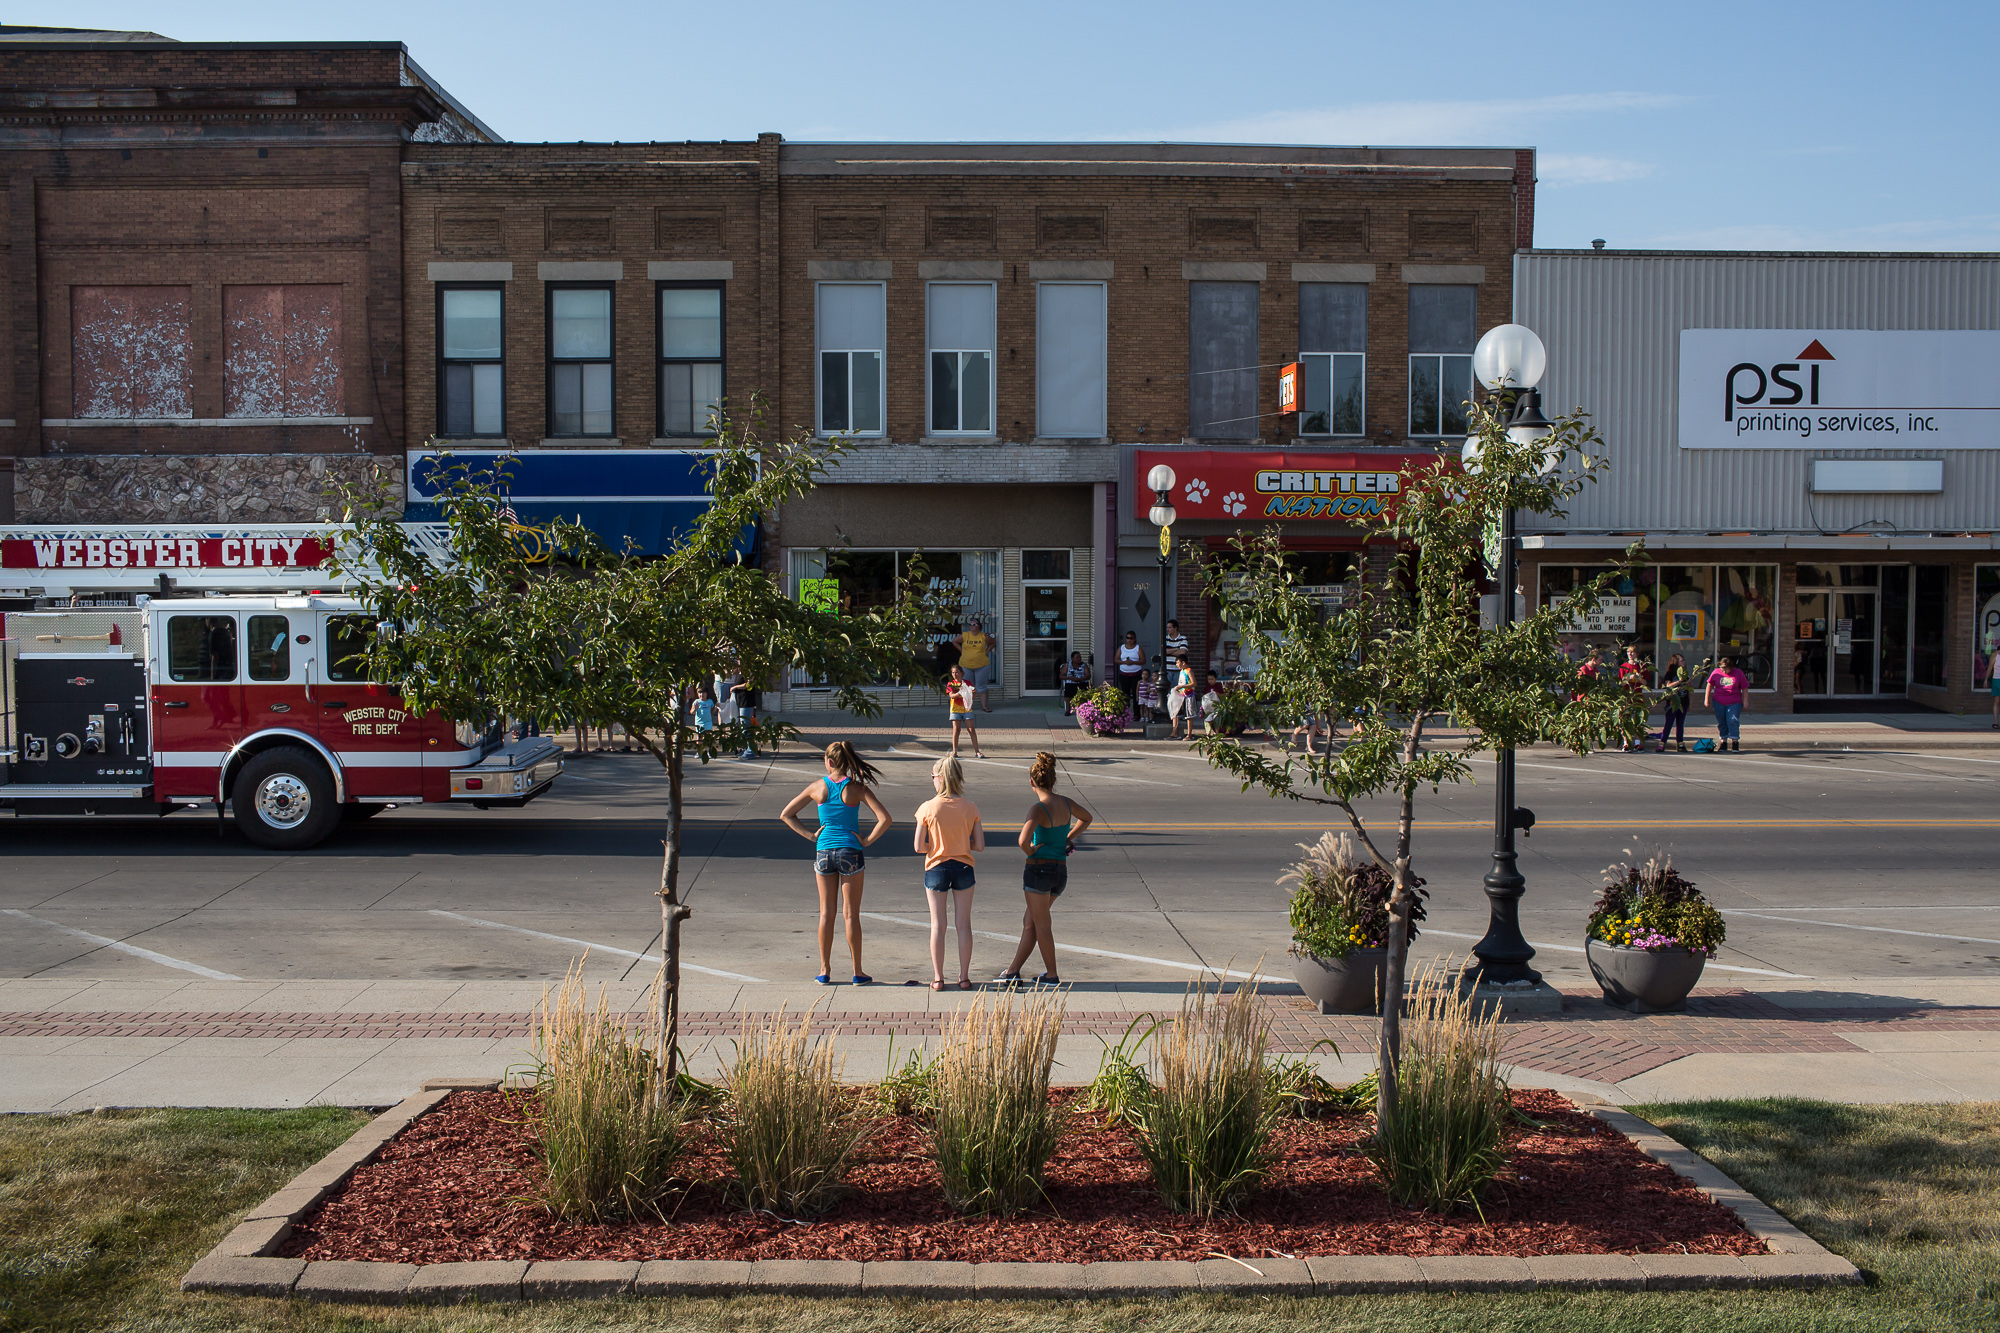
(1726, 687)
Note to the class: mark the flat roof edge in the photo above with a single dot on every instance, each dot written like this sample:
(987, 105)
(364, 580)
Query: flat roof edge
(1762, 254)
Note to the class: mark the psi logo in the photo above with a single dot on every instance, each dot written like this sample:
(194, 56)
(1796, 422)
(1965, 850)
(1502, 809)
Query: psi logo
(1776, 386)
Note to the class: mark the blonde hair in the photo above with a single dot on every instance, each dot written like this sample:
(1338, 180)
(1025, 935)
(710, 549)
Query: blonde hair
(953, 774)
(1042, 772)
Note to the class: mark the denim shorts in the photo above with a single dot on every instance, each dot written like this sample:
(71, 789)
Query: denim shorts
(946, 876)
(839, 861)
(1050, 877)
(978, 677)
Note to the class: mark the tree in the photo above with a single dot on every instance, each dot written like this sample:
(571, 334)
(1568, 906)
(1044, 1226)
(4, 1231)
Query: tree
(558, 626)
(1408, 650)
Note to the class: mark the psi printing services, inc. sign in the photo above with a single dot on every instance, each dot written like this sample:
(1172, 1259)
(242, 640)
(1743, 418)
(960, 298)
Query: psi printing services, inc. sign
(1839, 389)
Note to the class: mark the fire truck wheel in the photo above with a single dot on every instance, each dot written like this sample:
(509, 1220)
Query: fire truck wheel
(284, 799)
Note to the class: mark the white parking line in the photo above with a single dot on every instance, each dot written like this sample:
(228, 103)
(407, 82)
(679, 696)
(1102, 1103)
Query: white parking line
(1905, 907)
(133, 949)
(1537, 946)
(1927, 754)
(594, 948)
(788, 768)
(1095, 953)
(1074, 772)
(1575, 771)
(1736, 759)
(1880, 930)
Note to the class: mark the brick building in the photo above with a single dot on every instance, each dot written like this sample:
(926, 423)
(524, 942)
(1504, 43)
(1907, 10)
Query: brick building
(243, 270)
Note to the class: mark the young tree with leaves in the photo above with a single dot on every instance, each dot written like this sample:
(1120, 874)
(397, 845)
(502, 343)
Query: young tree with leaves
(563, 627)
(1409, 651)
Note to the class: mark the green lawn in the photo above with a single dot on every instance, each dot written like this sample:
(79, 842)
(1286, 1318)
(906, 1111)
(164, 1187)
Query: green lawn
(100, 1215)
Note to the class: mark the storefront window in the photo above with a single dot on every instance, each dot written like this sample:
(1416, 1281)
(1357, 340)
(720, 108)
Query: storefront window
(1985, 625)
(1746, 619)
(1326, 576)
(864, 581)
(1626, 611)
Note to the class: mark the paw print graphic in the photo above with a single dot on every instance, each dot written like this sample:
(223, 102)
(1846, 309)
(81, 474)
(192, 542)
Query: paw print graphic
(1232, 504)
(1197, 491)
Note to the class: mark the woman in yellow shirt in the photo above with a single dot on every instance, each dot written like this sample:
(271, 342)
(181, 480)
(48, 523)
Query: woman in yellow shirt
(948, 834)
(975, 654)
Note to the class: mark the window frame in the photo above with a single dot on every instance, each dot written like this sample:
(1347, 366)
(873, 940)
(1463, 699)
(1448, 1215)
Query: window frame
(1333, 359)
(991, 353)
(443, 364)
(550, 360)
(1410, 421)
(662, 360)
(820, 353)
(1103, 365)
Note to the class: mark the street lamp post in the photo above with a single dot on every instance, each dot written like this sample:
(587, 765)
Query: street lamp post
(1161, 515)
(1509, 361)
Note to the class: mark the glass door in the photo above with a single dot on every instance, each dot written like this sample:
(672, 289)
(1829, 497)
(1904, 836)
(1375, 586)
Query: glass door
(1045, 629)
(1809, 655)
(1851, 642)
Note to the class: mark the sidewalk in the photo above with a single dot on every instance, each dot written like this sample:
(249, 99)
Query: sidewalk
(74, 1045)
(1024, 726)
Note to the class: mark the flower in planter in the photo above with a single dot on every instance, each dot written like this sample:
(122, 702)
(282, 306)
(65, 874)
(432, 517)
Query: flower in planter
(1103, 712)
(1342, 901)
(1650, 906)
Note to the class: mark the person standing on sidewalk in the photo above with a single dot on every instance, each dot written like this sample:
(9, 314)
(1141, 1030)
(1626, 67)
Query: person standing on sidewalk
(1635, 675)
(1131, 661)
(948, 835)
(958, 691)
(1048, 836)
(838, 847)
(1724, 693)
(1076, 680)
(1674, 700)
(1177, 644)
(1180, 699)
(975, 654)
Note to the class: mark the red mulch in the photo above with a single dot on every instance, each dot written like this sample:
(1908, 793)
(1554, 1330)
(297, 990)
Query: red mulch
(456, 1186)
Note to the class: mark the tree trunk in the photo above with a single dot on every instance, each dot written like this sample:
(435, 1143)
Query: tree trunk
(1389, 1039)
(672, 912)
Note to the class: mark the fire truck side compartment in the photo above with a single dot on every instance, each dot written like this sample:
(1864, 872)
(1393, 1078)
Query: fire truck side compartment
(82, 721)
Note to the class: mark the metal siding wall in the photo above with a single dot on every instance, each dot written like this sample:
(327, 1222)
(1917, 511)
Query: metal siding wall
(1612, 324)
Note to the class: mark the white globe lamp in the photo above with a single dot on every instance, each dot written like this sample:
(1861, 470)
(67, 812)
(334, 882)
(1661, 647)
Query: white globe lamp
(1510, 356)
(1161, 478)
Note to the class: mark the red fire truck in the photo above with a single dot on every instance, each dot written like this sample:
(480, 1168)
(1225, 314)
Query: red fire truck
(257, 705)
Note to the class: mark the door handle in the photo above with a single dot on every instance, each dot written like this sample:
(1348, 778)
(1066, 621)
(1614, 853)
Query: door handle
(174, 703)
(334, 703)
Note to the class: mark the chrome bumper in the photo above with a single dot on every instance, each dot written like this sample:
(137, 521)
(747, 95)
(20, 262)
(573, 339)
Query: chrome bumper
(514, 774)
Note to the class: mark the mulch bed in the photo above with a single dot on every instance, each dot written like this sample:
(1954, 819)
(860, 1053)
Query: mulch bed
(458, 1184)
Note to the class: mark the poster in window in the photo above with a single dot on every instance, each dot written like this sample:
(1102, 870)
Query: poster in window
(820, 594)
(1685, 626)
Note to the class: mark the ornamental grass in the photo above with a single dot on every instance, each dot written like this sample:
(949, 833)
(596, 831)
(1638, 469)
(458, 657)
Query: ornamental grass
(1443, 1145)
(610, 1124)
(993, 1128)
(1205, 1124)
(790, 1129)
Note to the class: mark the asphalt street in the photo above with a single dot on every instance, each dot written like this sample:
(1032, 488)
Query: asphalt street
(1827, 865)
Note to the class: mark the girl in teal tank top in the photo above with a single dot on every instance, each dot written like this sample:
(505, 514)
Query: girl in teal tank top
(1046, 840)
(838, 843)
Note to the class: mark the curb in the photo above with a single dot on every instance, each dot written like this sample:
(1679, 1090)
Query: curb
(242, 1263)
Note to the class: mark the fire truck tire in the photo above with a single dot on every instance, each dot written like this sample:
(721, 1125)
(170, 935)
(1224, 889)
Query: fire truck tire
(283, 799)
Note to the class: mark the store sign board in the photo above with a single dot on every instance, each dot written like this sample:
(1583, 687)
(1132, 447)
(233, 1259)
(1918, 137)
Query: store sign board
(1614, 615)
(1839, 389)
(1291, 485)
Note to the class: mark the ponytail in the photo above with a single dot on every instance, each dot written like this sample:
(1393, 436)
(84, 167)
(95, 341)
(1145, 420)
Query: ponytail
(842, 757)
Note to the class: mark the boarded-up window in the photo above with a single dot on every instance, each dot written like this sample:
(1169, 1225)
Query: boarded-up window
(1321, 233)
(474, 232)
(1443, 233)
(577, 231)
(282, 351)
(1223, 231)
(1070, 347)
(1069, 229)
(129, 351)
(1222, 360)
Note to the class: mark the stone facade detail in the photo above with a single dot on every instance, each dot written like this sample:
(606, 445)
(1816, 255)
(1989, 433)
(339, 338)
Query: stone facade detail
(207, 488)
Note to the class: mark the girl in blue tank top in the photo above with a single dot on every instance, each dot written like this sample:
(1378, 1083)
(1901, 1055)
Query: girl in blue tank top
(838, 843)
(1053, 825)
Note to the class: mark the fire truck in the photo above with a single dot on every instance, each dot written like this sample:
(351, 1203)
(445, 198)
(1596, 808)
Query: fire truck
(254, 705)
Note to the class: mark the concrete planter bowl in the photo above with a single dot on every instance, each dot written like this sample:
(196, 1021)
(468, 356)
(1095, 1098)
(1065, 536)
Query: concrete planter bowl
(1350, 985)
(1644, 981)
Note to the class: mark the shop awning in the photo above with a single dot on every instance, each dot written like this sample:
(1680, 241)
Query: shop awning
(645, 497)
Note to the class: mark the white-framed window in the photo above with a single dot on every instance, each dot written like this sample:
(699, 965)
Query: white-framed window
(580, 360)
(1070, 360)
(959, 316)
(470, 361)
(1444, 325)
(1333, 358)
(690, 356)
(853, 331)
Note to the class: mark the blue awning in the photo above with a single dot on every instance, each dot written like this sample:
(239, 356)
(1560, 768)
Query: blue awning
(648, 498)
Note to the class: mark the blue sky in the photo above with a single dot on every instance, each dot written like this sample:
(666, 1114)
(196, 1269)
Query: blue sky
(1724, 126)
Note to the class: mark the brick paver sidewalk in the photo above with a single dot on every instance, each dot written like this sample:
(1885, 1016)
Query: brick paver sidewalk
(1589, 1040)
